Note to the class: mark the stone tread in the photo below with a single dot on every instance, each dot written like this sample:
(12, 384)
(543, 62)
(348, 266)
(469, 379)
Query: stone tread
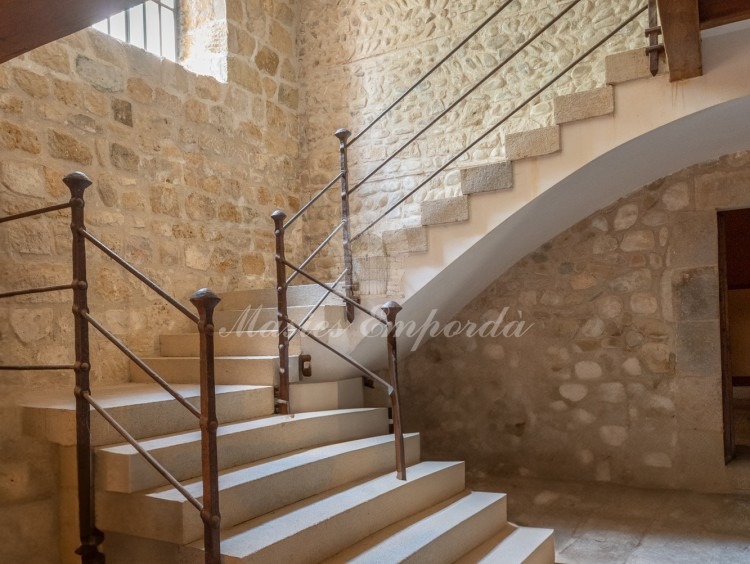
(265, 437)
(328, 523)
(300, 295)
(144, 409)
(515, 545)
(584, 105)
(253, 489)
(443, 535)
(238, 343)
(446, 210)
(230, 370)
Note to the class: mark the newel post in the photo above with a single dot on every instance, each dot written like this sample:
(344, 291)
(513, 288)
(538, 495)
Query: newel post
(343, 136)
(391, 310)
(91, 537)
(205, 301)
(282, 305)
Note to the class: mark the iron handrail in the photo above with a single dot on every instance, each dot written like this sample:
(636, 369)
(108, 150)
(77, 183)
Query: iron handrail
(317, 251)
(205, 301)
(466, 94)
(503, 120)
(366, 371)
(38, 211)
(141, 364)
(313, 200)
(138, 274)
(429, 73)
(38, 290)
(331, 290)
(142, 451)
(30, 291)
(35, 367)
(316, 307)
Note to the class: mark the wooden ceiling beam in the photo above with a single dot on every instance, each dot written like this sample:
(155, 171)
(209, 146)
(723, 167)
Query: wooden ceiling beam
(681, 32)
(28, 24)
(714, 13)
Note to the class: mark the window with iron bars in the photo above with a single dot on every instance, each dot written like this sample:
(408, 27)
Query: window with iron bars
(153, 26)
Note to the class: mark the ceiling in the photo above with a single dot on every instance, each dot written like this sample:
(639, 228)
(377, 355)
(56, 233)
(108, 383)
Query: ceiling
(28, 24)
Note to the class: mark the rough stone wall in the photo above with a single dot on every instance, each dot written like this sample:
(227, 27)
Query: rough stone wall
(619, 379)
(186, 170)
(357, 57)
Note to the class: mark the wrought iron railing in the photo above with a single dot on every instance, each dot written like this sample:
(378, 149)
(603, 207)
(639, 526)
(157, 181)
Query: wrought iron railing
(205, 302)
(346, 141)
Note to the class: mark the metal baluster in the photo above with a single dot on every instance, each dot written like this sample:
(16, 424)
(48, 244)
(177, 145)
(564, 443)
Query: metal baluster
(343, 136)
(205, 301)
(281, 289)
(391, 310)
(91, 537)
(653, 31)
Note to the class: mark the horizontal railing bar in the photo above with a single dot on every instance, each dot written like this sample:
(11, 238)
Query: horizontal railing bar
(320, 303)
(36, 291)
(142, 365)
(431, 71)
(40, 367)
(138, 274)
(143, 452)
(315, 253)
(357, 365)
(39, 211)
(334, 292)
(319, 195)
(468, 93)
(502, 121)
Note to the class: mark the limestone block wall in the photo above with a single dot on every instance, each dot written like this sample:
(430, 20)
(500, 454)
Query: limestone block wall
(186, 170)
(619, 379)
(357, 57)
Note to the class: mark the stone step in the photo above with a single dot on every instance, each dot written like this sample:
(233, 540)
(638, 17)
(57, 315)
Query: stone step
(446, 210)
(265, 319)
(488, 178)
(405, 241)
(326, 524)
(145, 410)
(251, 491)
(532, 143)
(440, 536)
(584, 105)
(255, 370)
(630, 65)
(246, 343)
(121, 469)
(306, 294)
(307, 396)
(515, 545)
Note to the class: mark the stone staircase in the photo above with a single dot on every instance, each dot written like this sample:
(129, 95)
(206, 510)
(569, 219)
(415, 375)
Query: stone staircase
(315, 486)
(532, 144)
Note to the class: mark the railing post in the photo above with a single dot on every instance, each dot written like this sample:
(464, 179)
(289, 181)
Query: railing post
(91, 537)
(343, 136)
(281, 287)
(205, 301)
(391, 310)
(653, 31)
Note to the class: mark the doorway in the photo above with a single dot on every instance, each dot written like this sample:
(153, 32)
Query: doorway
(734, 276)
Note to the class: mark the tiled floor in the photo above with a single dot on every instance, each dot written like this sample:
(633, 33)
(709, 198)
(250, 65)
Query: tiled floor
(606, 524)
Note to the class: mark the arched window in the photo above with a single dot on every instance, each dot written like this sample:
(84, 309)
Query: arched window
(153, 26)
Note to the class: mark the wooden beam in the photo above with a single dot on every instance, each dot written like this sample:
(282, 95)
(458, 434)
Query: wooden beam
(28, 24)
(714, 13)
(681, 34)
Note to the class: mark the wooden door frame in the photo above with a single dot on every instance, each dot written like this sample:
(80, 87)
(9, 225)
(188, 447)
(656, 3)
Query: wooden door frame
(727, 387)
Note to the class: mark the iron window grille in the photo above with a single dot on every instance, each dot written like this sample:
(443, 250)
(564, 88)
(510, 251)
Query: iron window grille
(153, 26)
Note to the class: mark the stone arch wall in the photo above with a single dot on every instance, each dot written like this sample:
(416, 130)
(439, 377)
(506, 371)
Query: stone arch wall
(620, 377)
